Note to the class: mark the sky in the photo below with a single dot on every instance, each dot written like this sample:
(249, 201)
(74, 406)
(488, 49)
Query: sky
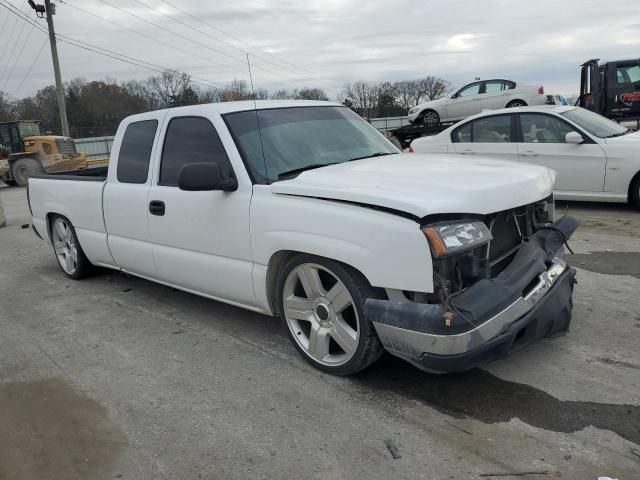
(322, 43)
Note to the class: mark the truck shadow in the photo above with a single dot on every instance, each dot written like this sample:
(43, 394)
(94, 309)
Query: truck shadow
(480, 395)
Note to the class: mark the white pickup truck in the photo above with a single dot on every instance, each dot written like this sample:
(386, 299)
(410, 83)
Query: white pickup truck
(303, 210)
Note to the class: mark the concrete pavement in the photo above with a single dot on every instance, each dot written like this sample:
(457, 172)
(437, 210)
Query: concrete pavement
(117, 377)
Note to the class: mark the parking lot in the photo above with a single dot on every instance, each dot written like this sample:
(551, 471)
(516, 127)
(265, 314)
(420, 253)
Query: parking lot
(118, 377)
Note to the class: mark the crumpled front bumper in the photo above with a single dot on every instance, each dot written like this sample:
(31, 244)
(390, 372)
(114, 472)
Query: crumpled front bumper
(531, 299)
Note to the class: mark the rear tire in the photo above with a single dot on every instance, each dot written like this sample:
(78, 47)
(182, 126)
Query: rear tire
(516, 103)
(321, 305)
(69, 254)
(635, 192)
(24, 168)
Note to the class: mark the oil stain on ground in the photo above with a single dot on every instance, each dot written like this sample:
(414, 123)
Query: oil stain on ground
(51, 431)
(485, 397)
(609, 263)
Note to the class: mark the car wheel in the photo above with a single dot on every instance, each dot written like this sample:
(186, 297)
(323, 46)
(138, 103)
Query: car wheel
(635, 192)
(321, 304)
(67, 249)
(430, 117)
(516, 103)
(25, 168)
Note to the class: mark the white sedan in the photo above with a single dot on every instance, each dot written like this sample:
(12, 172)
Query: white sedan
(595, 158)
(476, 97)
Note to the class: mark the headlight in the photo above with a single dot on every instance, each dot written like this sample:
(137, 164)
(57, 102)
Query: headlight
(413, 110)
(455, 237)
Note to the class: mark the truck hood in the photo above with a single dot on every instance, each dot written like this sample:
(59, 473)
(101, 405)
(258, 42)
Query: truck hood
(425, 184)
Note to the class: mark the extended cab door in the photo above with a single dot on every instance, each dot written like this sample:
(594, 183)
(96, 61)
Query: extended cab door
(579, 167)
(125, 197)
(491, 136)
(201, 240)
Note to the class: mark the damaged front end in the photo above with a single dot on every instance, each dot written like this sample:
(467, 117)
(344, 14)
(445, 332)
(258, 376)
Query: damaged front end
(500, 283)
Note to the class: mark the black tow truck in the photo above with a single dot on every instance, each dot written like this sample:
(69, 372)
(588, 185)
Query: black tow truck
(408, 133)
(611, 89)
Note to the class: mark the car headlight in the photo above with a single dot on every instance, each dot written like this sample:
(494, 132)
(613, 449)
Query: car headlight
(449, 238)
(413, 110)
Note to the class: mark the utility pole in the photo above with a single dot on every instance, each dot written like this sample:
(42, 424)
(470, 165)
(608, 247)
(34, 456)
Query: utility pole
(50, 10)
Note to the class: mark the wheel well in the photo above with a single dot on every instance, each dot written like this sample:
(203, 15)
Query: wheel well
(516, 100)
(49, 217)
(632, 183)
(276, 262)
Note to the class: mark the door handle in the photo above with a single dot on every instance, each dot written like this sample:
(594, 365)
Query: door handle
(467, 152)
(156, 207)
(529, 153)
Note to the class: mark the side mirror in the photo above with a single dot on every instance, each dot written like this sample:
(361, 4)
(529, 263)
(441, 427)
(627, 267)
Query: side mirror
(573, 137)
(201, 177)
(455, 95)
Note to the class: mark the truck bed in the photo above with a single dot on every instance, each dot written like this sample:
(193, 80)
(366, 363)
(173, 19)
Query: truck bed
(98, 174)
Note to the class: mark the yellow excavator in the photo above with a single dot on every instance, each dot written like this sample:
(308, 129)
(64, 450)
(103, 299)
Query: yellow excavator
(25, 152)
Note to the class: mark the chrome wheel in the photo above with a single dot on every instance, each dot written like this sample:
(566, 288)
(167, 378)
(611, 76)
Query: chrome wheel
(430, 118)
(65, 246)
(321, 314)
(516, 104)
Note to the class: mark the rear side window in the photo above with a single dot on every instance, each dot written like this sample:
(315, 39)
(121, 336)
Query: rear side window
(496, 129)
(191, 140)
(135, 151)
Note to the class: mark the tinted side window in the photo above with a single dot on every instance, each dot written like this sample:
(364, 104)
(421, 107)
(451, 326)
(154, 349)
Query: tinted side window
(543, 129)
(135, 151)
(461, 134)
(494, 86)
(509, 85)
(495, 129)
(473, 89)
(191, 140)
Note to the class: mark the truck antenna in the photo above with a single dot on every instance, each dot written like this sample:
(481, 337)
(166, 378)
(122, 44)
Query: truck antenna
(255, 109)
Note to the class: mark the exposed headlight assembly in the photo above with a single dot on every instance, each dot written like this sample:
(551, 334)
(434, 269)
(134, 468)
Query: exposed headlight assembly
(449, 238)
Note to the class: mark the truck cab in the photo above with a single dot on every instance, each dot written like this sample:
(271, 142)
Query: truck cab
(611, 89)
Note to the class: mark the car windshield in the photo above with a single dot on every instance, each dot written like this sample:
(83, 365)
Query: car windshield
(594, 124)
(291, 140)
(28, 129)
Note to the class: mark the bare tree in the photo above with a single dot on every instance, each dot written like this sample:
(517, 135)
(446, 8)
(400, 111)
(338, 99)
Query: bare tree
(170, 85)
(432, 88)
(306, 93)
(236, 90)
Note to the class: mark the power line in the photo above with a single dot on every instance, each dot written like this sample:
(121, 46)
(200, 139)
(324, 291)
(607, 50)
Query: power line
(6, 49)
(24, 44)
(242, 41)
(44, 43)
(191, 27)
(187, 38)
(149, 37)
(112, 54)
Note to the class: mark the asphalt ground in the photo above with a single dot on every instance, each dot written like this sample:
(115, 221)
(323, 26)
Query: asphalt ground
(118, 377)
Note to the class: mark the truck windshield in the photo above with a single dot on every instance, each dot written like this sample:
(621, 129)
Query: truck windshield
(28, 129)
(594, 124)
(295, 139)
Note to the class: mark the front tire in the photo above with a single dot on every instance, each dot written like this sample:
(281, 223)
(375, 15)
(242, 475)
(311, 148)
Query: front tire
(635, 192)
(430, 118)
(69, 254)
(24, 168)
(321, 304)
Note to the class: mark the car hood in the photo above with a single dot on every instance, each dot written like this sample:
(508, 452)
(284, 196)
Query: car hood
(627, 139)
(433, 103)
(425, 184)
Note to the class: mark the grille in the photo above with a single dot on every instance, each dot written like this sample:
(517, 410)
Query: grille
(508, 229)
(66, 147)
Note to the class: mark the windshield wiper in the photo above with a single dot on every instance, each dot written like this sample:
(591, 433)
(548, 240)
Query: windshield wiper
(299, 170)
(619, 134)
(377, 154)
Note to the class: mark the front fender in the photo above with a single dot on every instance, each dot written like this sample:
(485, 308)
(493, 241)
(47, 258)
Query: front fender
(388, 249)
